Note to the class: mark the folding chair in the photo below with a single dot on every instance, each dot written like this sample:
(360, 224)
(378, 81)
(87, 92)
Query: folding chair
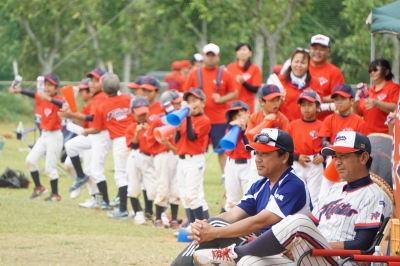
(347, 253)
(390, 260)
(2, 143)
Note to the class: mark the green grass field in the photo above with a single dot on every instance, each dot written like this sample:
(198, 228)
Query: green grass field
(61, 233)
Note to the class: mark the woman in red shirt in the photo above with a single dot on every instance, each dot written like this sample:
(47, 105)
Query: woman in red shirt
(247, 74)
(297, 78)
(382, 97)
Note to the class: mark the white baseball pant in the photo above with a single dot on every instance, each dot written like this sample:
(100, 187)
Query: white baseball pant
(190, 176)
(325, 183)
(50, 144)
(100, 145)
(140, 169)
(85, 158)
(253, 173)
(120, 156)
(236, 181)
(165, 164)
(312, 175)
(296, 233)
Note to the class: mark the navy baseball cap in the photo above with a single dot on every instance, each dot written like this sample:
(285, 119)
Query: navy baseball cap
(84, 84)
(348, 141)
(140, 105)
(268, 92)
(136, 84)
(150, 83)
(309, 95)
(344, 90)
(97, 73)
(170, 96)
(271, 139)
(236, 105)
(52, 78)
(196, 93)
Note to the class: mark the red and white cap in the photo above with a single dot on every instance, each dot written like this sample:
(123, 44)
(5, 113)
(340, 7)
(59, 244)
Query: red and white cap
(321, 39)
(348, 141)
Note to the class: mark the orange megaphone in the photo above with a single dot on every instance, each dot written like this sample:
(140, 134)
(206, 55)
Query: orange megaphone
(257, 129)
(68, 93)
(161, 133)
(331, 173)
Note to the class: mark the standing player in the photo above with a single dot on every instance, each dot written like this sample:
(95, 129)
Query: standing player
(51, 139)
(307, 144)
(114, 116)
(238, 162)
(197, 61)
(175, 79)
(347, 217)
(247, 75)
(219, 86)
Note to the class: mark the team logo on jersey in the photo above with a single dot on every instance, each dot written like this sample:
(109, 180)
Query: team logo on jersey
(322, 80)
(118, 114)
(246, 76)
(215, 81)
(314, 134)
(375, 215)
(279, 197)
(337, 208)
(348, 129)
(47, 111)
(381, 97)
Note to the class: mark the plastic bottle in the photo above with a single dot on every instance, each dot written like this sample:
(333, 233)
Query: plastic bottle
(20, 130)
(40, 83)
(378, 253)
(17, 82)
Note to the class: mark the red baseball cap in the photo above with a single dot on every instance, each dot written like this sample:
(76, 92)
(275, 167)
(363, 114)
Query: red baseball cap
(140, 105)
(97, 73)
(136, 84)
(271, 139)
(84, 84)
(177, 65)
(150, 83)
(186, 63)
(309, 95)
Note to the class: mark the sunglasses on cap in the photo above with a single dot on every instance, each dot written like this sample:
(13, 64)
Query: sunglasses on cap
(302, 50)
(261, 138)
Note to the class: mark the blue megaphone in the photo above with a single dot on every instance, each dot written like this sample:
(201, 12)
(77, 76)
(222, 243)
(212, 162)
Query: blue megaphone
(228, 142)
(175, 118)
(183, 236)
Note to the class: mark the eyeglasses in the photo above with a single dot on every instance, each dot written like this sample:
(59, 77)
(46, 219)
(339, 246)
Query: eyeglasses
(373, 70)
(263, 139)
(302, 50)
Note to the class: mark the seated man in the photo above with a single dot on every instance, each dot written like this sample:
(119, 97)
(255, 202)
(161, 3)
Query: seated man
(348, 217)
(279, 194)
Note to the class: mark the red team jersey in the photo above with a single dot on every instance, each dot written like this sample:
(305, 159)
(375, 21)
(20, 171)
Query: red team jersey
(252, 76)
(114, 115)
(375, 118)
(240, 151)
(155, 109)
(305, 136)
(202, 126)
(97, 101)
(329, 76)
(289, 107)
(50, 120)
(158, 148)
(175, 81)
(335, 123)
(228, 84)
(281, 121)
(86, 111)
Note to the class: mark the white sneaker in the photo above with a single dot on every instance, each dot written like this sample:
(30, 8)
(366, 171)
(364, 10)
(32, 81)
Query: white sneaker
(77, 192)
(89, 203)
(139, 218)
(165, 220)
(220, 257)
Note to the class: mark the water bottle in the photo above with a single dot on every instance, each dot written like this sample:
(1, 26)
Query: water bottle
(40, 83)
(378, 253)
(17, 82)
(20, 130)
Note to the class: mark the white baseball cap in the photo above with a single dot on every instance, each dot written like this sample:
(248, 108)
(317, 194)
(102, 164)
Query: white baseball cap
(321, 39)
(198, 57)
(348, 141)
(211, 48)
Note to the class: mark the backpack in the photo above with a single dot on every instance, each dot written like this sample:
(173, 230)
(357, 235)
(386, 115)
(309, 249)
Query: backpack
(218, 81)
(13, 179)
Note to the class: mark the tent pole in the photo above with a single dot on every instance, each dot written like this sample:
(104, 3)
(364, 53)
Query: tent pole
(372, 52)
(395, 62)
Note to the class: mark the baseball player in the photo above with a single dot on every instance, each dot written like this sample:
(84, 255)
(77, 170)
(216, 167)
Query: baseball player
(197, 61)
(165, 163)
(347, 217)
(114, 116)
(50, 141)
(307, 145)
(270, 98)
(99, 144)
(238, 162)
(175, 79)
(219, 87)
(86, 97)
(191, 140)
(278, 194)
(247, 74)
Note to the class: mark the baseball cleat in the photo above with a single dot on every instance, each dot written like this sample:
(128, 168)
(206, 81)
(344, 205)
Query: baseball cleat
(106, 207)
(117, 214)
(220, 257)
(37, 192)
(139, 218)
(53, 197)
(174, 224)
(165, 220)
(76, 193)
(158, 224)
(115, 202)
(78, 182)
(89, 203)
